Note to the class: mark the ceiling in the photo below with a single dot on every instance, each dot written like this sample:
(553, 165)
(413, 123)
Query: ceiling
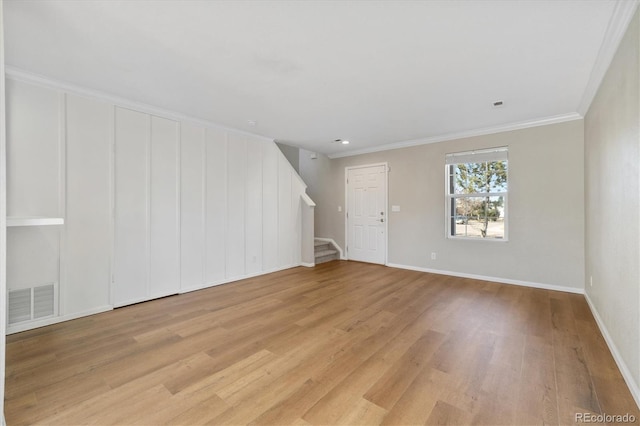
(378, 73)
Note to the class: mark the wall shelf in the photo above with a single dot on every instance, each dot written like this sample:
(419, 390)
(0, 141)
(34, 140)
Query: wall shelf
(33, 221)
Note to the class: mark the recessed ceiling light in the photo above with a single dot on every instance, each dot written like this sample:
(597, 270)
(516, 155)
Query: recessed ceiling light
(497, 104)
(340, 141)
(251, 122)
(345, 142)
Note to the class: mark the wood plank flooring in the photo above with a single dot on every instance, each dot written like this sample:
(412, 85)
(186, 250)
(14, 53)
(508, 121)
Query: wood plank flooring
(341, 343)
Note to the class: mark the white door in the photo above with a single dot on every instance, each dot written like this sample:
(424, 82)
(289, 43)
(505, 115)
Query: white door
(367, 213)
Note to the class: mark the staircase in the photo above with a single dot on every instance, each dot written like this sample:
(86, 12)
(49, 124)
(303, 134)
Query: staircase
(324, 251)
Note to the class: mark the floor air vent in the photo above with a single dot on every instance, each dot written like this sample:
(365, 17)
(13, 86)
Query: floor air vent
(31, 303)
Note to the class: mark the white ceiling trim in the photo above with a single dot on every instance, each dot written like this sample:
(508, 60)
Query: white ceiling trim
(618, 24)
(17, 74)
(471, 133)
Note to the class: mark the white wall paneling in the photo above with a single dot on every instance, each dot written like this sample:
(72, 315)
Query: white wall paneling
(254, 214)
(147, 242)
(34, 184)
(87, 229)
(151, 206)
(270, 155)
(131, 257)
(307, 255)
(216, 202)
(236, 199)
(3, 223)
(297, 188)
(33, 148)
(33, 256)
(192, 200)
(164, 238)
(285, 216)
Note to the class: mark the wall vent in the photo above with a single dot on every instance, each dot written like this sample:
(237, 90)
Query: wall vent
(19, 305)
(31, 303)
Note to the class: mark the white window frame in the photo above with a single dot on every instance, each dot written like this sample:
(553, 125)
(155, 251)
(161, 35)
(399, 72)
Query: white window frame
(476, 156)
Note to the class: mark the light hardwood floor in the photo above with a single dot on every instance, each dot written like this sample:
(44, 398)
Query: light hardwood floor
(342, 343)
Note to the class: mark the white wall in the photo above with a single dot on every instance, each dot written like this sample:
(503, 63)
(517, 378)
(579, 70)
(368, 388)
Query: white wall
(291, 153)
(317, 170)
(87, 237)
(192, 180)
(612, 187)
(215, 212)
(147, 206)
(35, 179)
(236, 205)
(270, 203)
(153, 205)
(3, 220)
(545, 207)
(131, 261)
(254, 204)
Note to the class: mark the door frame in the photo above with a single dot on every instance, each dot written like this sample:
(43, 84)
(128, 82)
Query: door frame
(386, 207)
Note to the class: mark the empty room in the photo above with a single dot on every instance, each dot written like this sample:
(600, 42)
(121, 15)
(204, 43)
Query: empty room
(320, 212)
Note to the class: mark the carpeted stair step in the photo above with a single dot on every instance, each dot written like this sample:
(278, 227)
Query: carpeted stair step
(324, 251)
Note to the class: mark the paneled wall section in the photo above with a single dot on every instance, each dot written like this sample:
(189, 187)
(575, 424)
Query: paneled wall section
(152, 205)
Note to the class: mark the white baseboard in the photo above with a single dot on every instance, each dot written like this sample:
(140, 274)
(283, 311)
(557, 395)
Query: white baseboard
(492, 279)
(16, 328)
(624, 369)
(332, 241)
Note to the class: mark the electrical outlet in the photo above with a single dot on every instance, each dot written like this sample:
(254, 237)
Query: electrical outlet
(433, 255)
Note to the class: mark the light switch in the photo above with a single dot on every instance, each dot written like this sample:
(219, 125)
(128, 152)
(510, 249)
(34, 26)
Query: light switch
(395, 208)
(339, 208)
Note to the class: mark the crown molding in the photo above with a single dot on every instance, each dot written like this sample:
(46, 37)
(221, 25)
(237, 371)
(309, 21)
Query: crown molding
(617, 27)
(16, 74)
(460, 135)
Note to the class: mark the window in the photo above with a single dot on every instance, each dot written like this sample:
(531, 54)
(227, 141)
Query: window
(477, 194)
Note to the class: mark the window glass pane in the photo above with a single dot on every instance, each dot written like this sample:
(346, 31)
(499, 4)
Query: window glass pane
(471, 178)
(452, 180)
(497, 176)
(481, 217)
(472, 175)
